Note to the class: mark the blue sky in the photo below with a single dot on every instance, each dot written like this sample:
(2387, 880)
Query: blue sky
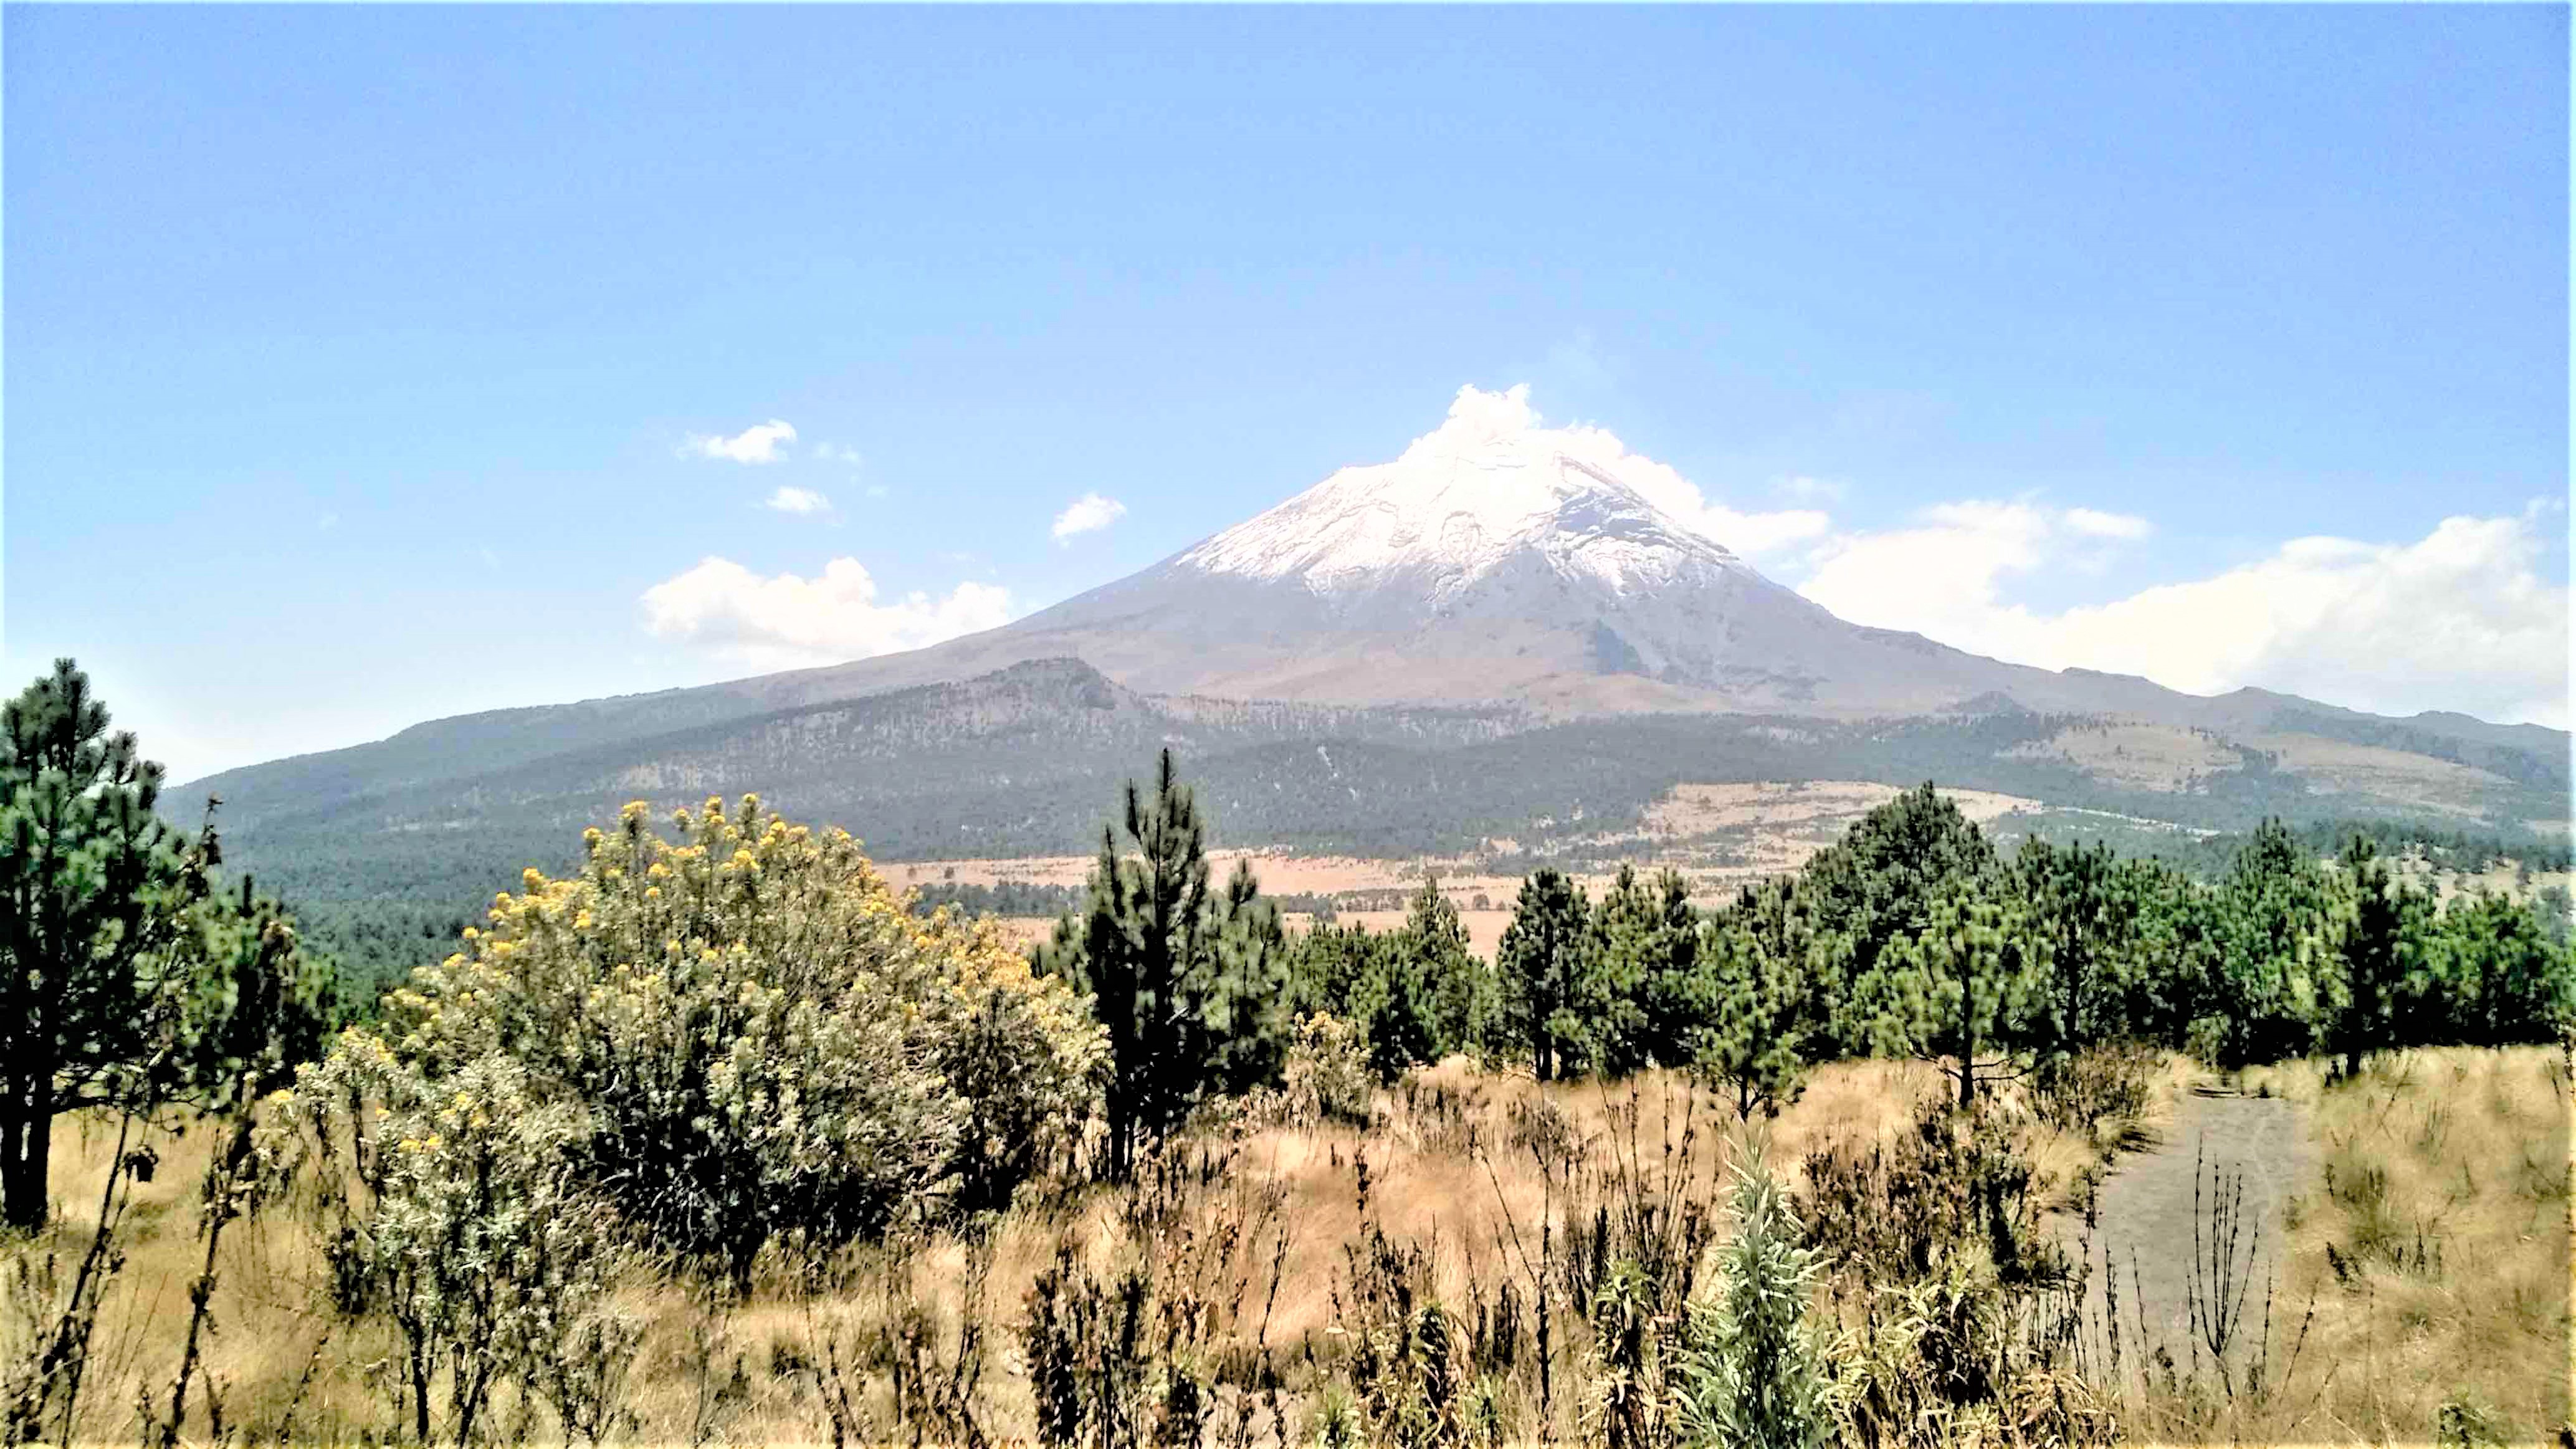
(364, 365)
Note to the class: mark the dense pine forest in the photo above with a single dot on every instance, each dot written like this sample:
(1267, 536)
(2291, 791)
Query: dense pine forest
(708, 1132)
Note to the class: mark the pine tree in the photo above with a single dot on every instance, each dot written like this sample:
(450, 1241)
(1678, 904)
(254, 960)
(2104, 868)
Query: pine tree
(1751, 1045)
(1394, 1011)
(1679, 993)
(1875, 886)
(2383, 958)
(2272, 996)
(1241, 1030)
(2507, 981)
(1460, 986)
(96, 902)
(1628, 937)
(1327, 966)
(2078, 905)
(1186, 980)
(1375, 982)
(2170, 980)
(1544, 961)
(1962, 991)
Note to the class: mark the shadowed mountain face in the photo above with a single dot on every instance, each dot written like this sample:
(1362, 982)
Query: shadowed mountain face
(1484, 636)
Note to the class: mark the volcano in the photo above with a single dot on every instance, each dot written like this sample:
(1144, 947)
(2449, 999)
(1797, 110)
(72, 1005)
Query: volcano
(1506, 624)
(1496, 562)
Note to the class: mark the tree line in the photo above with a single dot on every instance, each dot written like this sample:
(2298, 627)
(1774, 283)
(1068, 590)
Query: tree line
(1911, 936)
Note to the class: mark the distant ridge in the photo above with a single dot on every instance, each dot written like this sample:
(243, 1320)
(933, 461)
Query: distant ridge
(1493, 632)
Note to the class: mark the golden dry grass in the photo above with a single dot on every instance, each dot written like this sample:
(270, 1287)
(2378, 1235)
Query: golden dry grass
(273, 1324)
(2431, 1230)
(2472, 1145)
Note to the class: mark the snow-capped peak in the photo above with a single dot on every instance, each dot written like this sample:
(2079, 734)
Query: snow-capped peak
(1488, 485)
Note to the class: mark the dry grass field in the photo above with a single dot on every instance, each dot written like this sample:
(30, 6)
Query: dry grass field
(2504, 878)
(2137, 756)
(2336, 767)
(2429, 1227)
(2424, 1225)
(1719, 836)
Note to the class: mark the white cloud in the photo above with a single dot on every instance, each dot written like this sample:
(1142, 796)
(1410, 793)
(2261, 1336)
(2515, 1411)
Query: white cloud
(756, 444)
(1508, 414)
(1810, 490)
(798, 500)
(2096, 524)
(788, 622)
(837, 453)
(2459, 619)
(1088, 514)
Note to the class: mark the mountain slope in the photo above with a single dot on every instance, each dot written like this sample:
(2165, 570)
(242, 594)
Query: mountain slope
(1494, 580)
(1496, 562)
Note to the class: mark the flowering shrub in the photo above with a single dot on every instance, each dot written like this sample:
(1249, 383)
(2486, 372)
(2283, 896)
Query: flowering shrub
(1329, 1076)
(747, 1036)
(477, 1237)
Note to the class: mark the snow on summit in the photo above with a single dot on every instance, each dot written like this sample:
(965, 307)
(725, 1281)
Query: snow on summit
(1490, 484)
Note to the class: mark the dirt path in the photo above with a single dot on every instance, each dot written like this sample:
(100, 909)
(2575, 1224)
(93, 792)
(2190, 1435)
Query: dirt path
(2144, 1241)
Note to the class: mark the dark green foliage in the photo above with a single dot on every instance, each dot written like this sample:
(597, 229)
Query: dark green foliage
(1008, 898)
(2383, 956)
(126, 979)
(1910, 936)
(1395, 1010)
(1546, 964)
(1629, 956)
(1374, 982)
(1966, 988)
(1678, 986)
(2084, 920)
(1327, 966)
(2278, 982)
(95, 893)
(1415, 993)
(1877, 885)
(1753, 1046)
(2498, 978)
(1187, 980)
(1459, 985)
(2470, 852)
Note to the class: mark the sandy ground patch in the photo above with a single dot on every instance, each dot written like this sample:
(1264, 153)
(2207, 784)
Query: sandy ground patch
(2162, 1229)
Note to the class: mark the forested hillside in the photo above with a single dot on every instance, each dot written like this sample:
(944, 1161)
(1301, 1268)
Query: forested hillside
(1017, 762)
